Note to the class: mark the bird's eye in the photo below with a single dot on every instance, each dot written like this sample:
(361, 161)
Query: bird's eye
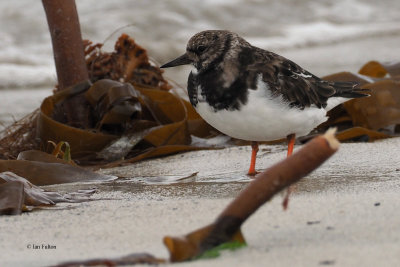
(201, 48)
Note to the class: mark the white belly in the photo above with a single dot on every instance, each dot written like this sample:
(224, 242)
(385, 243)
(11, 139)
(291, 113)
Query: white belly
(263, 118)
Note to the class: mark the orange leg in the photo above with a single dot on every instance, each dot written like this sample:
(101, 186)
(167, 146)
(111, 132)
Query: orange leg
(291, 138)
(254, 150)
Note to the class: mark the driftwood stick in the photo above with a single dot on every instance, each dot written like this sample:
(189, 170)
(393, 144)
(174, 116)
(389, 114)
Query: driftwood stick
(259, 191)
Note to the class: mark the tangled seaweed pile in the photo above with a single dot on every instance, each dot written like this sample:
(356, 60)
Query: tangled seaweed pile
(128, 63)
(130, 113)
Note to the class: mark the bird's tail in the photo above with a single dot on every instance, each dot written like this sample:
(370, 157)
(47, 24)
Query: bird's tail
(350, 90)
(344, 92)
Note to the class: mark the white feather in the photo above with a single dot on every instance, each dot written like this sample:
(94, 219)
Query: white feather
(265, 117)
(334, 101)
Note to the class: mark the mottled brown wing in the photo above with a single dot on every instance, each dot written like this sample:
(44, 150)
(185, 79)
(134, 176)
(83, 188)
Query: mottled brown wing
(297, 86)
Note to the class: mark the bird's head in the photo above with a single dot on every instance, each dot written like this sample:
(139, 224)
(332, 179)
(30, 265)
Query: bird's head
(208, 48)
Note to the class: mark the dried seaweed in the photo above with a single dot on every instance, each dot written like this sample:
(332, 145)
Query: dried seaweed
(148, 121)
(17, 194)
(128, 63)
(47, 173)
(19, 136)
(151, 120)
(127, 109)
(367, 119)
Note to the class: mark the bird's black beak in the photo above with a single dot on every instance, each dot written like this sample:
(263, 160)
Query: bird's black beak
(182, 60)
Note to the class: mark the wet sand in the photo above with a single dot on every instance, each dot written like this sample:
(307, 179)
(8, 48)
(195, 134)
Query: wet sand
(343, 214)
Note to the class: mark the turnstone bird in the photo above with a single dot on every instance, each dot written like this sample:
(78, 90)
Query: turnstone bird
(256, 95)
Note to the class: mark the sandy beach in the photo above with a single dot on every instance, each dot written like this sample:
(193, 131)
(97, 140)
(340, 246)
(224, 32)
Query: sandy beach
(343, 214)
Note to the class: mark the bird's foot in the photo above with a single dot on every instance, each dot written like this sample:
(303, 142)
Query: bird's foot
(253, 173)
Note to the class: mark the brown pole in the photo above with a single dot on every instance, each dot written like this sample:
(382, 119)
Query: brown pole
(69, 57)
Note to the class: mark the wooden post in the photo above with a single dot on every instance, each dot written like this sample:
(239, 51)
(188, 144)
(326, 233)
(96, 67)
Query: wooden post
(69, 57)
(63, 21)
